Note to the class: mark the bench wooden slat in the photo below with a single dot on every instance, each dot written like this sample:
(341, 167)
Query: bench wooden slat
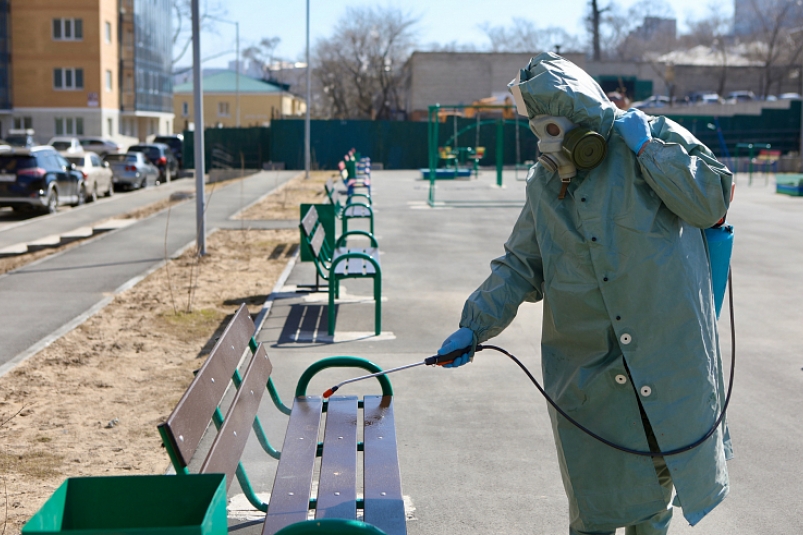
(384, 504)
(357, 266)
(309, 220)
(317, 240)
(337, 492)
(289, 500)
(228, 446)
(189, 420)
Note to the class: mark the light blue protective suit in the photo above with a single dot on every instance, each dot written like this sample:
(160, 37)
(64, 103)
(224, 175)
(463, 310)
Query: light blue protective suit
(622, 268)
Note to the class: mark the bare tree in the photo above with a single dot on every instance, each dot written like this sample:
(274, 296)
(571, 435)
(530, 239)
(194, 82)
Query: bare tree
(525, 36)
(182, 30)
(263, 54)
(594, 24)
(777, 39)
(713, 32)
(360, 66)
(622, 34)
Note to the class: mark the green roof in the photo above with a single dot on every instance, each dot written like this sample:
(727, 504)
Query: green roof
(226, 82)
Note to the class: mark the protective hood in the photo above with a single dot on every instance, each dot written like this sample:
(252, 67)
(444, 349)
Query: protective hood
(552, 85)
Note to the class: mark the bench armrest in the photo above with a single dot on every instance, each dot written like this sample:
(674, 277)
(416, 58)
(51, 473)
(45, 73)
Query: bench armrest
(343, 237)
(331, 526)
(342, 362)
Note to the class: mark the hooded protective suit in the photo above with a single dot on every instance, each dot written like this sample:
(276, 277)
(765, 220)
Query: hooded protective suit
(621, 265)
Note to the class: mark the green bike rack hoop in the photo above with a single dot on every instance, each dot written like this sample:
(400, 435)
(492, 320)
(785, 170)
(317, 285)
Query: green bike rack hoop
(342, 362)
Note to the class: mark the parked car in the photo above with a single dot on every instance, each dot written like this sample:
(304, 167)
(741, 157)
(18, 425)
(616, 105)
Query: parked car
(740, 96)
(132, 170)
(65, 144)
(701, 98)
(176, 144)
(96, 172)
(19, 137)
(161, 156)
(38, 178)
(789, 96)
(99, 145)
(655, 101)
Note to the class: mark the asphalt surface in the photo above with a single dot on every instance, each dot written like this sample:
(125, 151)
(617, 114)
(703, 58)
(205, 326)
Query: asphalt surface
(47, 297)
(475, 444)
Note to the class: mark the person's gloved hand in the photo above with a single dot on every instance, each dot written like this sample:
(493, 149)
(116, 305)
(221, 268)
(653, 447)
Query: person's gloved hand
(634, 129)
(462, 337)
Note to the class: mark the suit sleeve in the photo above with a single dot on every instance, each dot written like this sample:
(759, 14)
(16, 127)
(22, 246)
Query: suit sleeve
(515, 277)
(685, 175)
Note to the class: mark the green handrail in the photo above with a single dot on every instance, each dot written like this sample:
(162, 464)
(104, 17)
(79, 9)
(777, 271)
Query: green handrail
(342, 362)
(331, 526)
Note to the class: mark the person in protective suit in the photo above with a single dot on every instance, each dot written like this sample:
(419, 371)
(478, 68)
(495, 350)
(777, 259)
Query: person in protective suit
(613, 245)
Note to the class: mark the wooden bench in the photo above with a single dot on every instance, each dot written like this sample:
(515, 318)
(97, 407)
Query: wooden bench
(342, 262)
(360, 209)
(339, 502)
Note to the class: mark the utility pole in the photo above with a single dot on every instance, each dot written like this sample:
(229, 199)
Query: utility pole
(198, 104)
(237, 63)
(306, 119)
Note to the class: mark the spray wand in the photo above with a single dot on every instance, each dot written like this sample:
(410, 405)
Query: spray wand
(434, 360)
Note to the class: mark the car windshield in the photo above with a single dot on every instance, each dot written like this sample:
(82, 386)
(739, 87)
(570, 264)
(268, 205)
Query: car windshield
(85, 142)
(79, 161)
(17, 141)
(169, 141)
(152, 153)
(114, 157)
(10, 164)
(61, 145)
(131, 158)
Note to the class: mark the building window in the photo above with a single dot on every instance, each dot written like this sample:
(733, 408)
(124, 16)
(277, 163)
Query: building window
(68, 29)
(223, 109)
(23, 122)
(68, 78)
(108, 31)
(110, 123)
(108, 80)
(69, 126)
(185, 109)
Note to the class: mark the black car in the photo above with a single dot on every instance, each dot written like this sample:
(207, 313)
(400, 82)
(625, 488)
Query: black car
(39, 179)
(176, 144)
(161, 156)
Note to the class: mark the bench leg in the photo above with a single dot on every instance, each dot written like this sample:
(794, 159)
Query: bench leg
(344, 221)
(334, 283)
(378, 303)
(372, 224)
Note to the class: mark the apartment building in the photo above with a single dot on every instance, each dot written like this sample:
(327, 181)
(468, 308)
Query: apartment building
(67, 61)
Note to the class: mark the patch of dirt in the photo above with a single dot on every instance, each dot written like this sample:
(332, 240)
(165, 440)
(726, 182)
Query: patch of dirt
(89, 403)
(284, 203)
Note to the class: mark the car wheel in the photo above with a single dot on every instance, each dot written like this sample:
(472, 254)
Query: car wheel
(144, 183)
(94, 196)
(52, 202)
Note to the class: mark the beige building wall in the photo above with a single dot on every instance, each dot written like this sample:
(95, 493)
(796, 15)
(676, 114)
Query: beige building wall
(220, 109)
(35, 54)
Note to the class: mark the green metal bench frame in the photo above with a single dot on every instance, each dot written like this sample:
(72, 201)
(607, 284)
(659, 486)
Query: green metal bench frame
(327, 261)
(183, 430)
(351, 209)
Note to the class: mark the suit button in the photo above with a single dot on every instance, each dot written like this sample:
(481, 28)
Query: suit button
(621, 379)
(645, 391)
(625, 339)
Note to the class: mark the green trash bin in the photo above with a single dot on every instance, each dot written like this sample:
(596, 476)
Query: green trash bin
(135, 505)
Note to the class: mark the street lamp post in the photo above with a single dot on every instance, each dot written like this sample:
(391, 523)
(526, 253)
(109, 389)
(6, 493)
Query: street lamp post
(198, 104)
(307, 119)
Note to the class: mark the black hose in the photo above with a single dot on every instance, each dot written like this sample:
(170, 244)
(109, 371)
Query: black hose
(607, 442)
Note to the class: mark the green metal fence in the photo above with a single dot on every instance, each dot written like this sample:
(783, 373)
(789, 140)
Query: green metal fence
(403, 144)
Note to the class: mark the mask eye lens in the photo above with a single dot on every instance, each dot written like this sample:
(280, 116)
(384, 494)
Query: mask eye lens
(552, 129)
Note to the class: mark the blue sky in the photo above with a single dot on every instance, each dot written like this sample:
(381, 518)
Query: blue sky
(441, 21)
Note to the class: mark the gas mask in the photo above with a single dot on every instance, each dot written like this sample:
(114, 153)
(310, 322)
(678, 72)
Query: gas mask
(565, 147)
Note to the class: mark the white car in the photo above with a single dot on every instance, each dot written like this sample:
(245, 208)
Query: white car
(65, 144)
(97, 174)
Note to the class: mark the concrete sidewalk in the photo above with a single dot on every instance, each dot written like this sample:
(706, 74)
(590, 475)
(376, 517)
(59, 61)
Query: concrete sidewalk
(475, 443)
(45, 299)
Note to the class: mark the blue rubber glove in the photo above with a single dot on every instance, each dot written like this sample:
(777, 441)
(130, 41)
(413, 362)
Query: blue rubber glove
(634, 129)
(462, 337)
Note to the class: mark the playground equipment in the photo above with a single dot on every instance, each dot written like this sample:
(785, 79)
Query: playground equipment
(750, 158)
(453, 155)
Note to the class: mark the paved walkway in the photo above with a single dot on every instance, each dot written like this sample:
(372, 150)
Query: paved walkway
(476, 448)
(47, 298)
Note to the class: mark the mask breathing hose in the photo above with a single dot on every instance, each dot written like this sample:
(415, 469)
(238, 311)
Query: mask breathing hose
(445, 359)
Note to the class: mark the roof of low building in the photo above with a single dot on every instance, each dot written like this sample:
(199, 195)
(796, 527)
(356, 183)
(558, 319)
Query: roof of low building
(226, 82)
